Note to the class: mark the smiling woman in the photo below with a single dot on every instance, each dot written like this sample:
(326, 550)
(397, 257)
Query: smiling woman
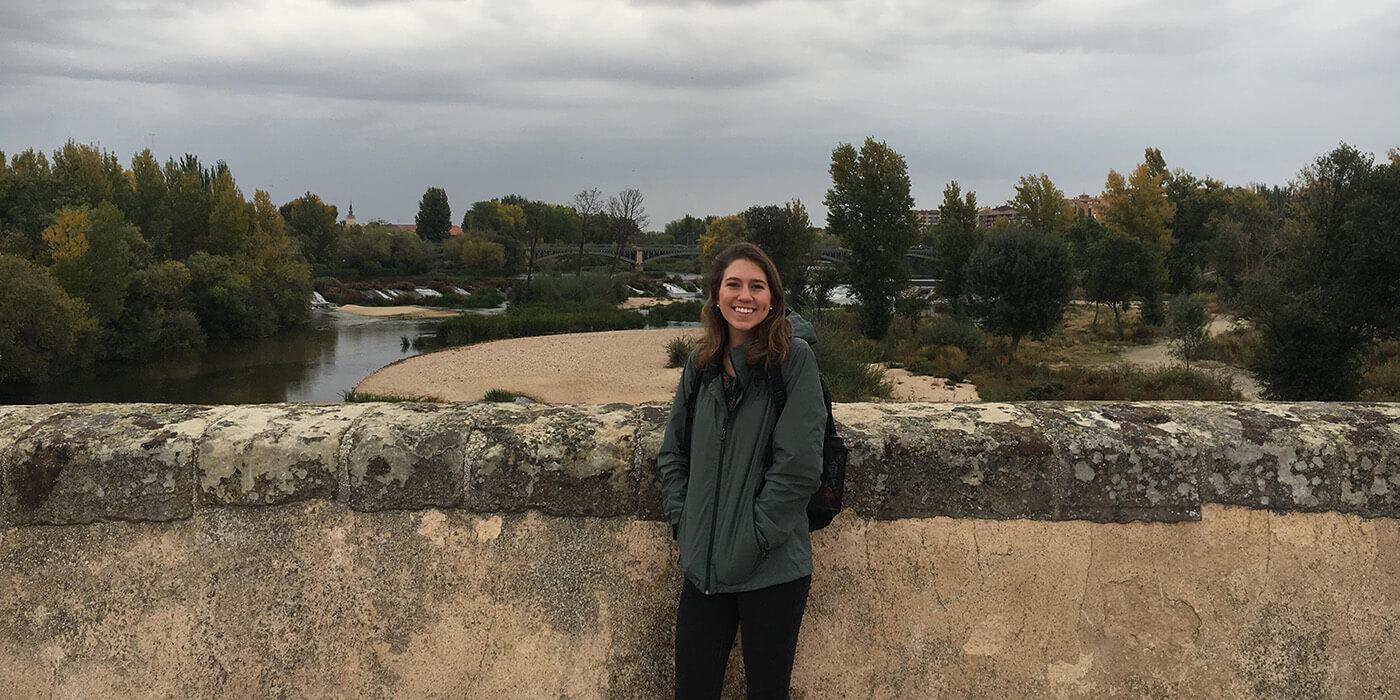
(737, 469)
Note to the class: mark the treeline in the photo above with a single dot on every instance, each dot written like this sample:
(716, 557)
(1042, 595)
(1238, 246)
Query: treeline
(1313, 265)
(104, 261)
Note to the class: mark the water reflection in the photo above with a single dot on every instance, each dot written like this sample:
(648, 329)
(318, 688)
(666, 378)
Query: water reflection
(315, 364)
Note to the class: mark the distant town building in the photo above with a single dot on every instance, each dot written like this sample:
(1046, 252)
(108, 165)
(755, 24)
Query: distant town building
(349, 216)
(988, 217)
(927, 217)
(1092, 206)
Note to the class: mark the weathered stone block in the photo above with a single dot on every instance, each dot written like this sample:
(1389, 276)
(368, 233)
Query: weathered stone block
(1273, 455)
(263, 455)
(562, 460)
(650, 421)
(971, 460)
(1126, 461)
(87, 462)
(1371, 455)
(13, 422)
(408, 455)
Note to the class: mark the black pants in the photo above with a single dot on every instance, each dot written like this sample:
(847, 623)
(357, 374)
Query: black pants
(769, 618)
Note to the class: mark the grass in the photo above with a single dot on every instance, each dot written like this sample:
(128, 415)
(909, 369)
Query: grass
(502, 396)
(679, 349)
(352, 396)
(598, 288)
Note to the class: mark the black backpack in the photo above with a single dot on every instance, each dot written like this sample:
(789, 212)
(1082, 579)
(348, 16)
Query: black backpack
(826, 502)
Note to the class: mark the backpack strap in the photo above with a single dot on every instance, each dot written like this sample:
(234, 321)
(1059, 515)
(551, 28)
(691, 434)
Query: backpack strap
(702, 374)
(776, 389)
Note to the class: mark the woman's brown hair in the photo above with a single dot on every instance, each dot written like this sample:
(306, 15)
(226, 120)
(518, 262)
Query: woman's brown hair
(768, 343)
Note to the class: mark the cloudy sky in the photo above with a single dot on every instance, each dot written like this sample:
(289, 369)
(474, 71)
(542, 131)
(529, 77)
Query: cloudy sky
(706, 106)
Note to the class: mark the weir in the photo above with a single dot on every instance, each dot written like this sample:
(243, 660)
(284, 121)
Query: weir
(469, 550)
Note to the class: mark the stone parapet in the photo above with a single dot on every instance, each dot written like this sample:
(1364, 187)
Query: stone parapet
(1104, 462)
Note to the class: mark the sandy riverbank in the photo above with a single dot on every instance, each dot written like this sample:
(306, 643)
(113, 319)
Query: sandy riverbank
(397, 311)
(590, 368)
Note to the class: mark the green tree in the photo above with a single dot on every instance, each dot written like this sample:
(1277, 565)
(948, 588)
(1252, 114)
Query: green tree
(1042, 205)
(43, 330)
(86, 176)
(149, 208)
(157, 319)
(955, 237)
(434, 219)
(29, 201)
(870, 209)
(1118, 267)
(1019, 284)
(312, 225)
(786, 235)
(228, 230)
(481, 254)
(223, 298)
(686, 230)
(187, 187)
(1188, 328)
(722, 232)
(114, 250)
(1334, 288)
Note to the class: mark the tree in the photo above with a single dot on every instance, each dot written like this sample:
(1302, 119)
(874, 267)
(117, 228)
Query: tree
(786, 235)
(1118, 267)
(955, 237)
(546, 222)
(686, 230)
(1042, 205)
(228, 229)
(312, 224)
(187, 187)
(1194, 201)
(149, 208)
(1188, 327)
(1334, 288)
(27, 202)
(588, 204)
(269, 239)
(157, 319)
(434, 219)
(870, 209)
(629, 216)
(1019, 283)
(67, 237)
(1139, 207)
(43, 329)
(723, 232)
(481, 254)
(85, 176)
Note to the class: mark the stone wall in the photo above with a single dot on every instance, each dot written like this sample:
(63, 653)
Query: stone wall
(376, 550)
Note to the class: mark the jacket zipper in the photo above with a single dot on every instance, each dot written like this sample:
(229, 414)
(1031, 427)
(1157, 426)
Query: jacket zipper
(719, 480)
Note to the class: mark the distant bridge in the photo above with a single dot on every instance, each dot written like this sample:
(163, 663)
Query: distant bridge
(640, 254)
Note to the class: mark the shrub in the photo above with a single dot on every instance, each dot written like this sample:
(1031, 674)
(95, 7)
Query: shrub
(846, 360)
(1187, 326)
(1381, 380)
(1236, 346)
(583, 288)
(958, 331)
(680, 311)
(499, 396)
(1129, 383)
(679, 349)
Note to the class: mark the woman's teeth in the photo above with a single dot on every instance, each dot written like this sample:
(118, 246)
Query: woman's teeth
(743, 310)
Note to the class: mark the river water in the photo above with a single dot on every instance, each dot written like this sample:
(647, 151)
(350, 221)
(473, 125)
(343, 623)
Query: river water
(318, 362)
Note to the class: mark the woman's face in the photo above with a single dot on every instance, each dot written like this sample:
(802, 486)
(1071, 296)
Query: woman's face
(744, 297)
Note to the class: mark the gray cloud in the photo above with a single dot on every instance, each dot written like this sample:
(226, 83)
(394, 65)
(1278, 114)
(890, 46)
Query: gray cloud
(706, 105)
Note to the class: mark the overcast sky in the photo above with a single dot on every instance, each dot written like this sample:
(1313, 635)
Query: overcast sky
(706, 106)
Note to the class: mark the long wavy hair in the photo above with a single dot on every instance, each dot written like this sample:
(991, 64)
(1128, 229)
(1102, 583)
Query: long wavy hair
(768, 343)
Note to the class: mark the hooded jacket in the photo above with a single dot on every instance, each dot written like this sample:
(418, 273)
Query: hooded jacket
(741, 521)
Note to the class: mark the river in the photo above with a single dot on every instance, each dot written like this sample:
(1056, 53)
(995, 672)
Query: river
(316, 363)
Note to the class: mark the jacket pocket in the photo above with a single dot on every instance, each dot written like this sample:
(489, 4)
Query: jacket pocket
(743, 551)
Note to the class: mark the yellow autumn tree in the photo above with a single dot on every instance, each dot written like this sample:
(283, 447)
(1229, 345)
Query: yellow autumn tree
(720, 234)
(269, 239)
(1139, 207)
(66, 237)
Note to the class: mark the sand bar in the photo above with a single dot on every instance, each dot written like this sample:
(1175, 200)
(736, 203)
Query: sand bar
(397, 311)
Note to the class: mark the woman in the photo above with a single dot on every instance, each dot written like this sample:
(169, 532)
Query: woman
(736, 483)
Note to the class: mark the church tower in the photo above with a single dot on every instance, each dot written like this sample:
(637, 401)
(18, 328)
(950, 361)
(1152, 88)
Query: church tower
(350, 215)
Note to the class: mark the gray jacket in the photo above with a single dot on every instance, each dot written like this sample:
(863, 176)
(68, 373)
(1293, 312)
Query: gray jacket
(742, 526)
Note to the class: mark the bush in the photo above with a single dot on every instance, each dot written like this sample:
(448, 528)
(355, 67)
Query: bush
(1187, 326)
(679, 349)
(499, 396)
(845, 359)
(958, 331)
(1129, 383)
(524, 321)
(583, 288)
(1381, 380)
(1236, 346)
(43, 330)
(680, 312)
